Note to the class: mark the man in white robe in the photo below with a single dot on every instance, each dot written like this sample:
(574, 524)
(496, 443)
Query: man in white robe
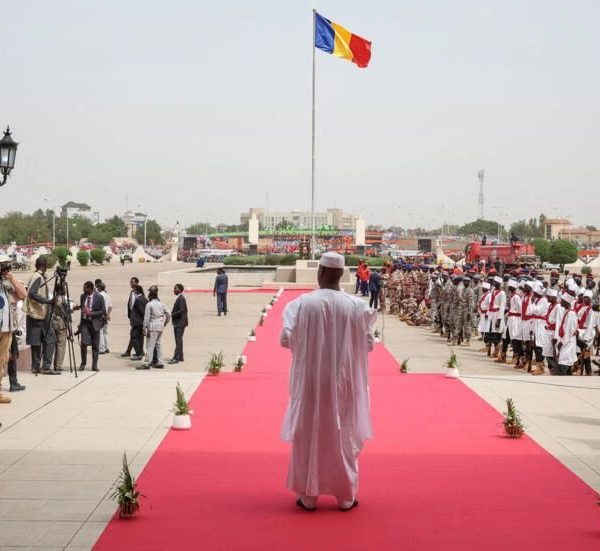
(329, 334)
(565, 336)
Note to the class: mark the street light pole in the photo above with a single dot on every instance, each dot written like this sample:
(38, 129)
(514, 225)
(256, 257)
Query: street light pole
(8, 152)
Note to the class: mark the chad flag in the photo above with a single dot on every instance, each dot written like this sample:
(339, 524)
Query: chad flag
(334, 39)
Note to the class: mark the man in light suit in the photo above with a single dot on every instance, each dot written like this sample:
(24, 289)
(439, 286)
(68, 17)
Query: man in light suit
(179, 318)
(92, 320)
(220, 290)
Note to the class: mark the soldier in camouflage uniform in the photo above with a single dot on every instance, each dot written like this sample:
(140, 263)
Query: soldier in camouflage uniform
(465, 314)
(453, 301)
(477, 293)
(434, 297)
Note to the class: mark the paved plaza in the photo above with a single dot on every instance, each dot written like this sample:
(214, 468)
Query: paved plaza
(63, 438)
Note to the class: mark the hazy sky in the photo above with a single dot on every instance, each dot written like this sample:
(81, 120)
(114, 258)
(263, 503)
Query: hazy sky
(199, 110)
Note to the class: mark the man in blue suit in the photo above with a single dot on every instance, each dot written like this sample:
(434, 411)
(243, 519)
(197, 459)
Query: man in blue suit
(374, 286)
(220, 290)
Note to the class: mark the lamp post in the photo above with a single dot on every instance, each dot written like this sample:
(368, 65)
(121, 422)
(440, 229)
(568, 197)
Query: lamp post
(8, 152)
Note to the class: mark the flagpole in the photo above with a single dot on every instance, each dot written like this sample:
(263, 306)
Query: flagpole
(312, 173)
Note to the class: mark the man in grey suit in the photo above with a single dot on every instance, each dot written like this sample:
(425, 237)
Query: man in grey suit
(220, 290)
(92, 320)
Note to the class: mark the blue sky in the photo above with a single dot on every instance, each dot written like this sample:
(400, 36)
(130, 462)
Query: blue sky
(199, 110)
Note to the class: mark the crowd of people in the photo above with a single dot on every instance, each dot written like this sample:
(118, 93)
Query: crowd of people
(40, 314)
(548, 324)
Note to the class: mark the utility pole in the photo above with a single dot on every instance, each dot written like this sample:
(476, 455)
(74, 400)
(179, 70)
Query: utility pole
(481, 175)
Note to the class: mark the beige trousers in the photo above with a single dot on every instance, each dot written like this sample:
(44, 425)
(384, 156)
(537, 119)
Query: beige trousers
(5, 342)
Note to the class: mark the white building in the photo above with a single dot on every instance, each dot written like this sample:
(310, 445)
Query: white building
(133, 221)
(269, 220)
(73, 209)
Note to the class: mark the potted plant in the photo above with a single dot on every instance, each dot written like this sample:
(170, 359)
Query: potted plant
(404, 366)
(126, 493)
(240, 362)
(181, 409)
(452, 367)
(261, 320)
(263, 312)
(252, 336)
(215, 363)
(272, 301)
(377, 335)
(513, 426)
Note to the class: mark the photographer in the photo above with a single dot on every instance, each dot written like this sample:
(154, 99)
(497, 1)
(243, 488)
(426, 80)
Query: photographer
(40, 333)
(10, 292)
(61, 316)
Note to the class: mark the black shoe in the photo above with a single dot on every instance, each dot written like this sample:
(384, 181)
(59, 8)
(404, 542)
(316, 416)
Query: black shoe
(136, 358)
(140, 367)
(58, 369)
(125, 355)
(158, 366)
(171, 362)
(50, 372)
(225, 313)
(95, 369)
(354, 504)
(81, 367)
(219, 314)
(16, 387)
(302, 506)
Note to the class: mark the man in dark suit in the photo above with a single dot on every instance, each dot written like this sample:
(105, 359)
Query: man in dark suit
(136, 320)
(374, 286)
(92, 320)
(133, 283)
(179, 318)
(220, 290)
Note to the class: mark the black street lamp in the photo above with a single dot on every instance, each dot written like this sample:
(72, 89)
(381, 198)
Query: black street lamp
(8, 152)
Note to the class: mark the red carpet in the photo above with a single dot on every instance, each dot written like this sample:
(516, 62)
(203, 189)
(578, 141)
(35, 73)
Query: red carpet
(437, 476)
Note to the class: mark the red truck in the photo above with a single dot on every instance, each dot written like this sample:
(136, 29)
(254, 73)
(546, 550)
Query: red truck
(511, 254)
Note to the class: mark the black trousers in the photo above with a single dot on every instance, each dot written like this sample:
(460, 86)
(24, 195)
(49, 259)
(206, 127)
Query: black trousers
(95, 344)
(178, 354)
(39, 352)
(222, 302)
(374, 300)
(136, 339)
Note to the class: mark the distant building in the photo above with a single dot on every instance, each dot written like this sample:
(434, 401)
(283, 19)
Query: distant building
(553, 226)
(561, 228)
(133, 221)
(269, 220)
(72, 209)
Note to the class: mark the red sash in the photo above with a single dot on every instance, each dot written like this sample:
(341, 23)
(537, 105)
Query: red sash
(481, 302)
(550, 326)
(493, 300)
(584, 317)
(524, 306)
(561, 329)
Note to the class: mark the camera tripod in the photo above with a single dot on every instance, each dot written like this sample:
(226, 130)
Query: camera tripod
(64, 311)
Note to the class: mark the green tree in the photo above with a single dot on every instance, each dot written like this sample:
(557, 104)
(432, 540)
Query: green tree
(284, 225)
(200, 228)
(562, 252)
(153, 233)
(542, 249)
(480, 227)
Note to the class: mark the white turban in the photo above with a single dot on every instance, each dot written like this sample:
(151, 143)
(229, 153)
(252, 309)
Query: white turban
(332, 260)
(551, 293)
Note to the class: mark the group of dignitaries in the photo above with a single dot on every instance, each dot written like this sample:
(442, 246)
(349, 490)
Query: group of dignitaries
(40, 315)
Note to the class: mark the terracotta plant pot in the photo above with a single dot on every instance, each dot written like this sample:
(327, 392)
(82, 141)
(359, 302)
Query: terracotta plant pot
(512, 431)
(128, 511)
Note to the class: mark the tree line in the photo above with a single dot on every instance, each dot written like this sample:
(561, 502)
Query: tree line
(25, 228)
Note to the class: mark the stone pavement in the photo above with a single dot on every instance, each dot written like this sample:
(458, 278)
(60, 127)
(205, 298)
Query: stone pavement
(63, 438)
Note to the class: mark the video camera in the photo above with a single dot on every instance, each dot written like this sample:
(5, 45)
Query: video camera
(61, 274)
